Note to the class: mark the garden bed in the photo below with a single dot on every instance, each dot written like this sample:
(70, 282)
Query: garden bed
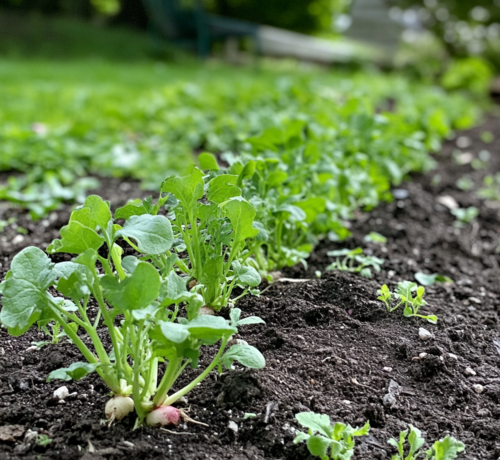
(330, 346)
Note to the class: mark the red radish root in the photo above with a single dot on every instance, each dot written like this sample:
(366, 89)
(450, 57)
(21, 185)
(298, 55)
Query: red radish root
(164, 416)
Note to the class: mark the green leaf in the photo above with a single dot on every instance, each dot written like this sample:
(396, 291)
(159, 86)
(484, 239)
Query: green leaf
(24, 292)
(415, 439)
(173, 332)
(79, 235)
(295, 213)
(99, 210)
(241, 214)
(246, 173)
(74, 372)
(318, 445)
(153, 234)
(187, 189)
(132, 208)
(429, 280)
(208, 161)
(210, 328)
(136, 291)
(247, 355)
(245, 274)
(222, 188)
(129, 263)
(76, 286)
(173, 290)
(316, 422)
(446, 449)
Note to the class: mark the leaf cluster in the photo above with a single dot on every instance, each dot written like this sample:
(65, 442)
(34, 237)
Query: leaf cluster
(327, 441)
(410, 296)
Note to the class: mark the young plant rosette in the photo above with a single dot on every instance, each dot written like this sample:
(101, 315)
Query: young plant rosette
(138, 307)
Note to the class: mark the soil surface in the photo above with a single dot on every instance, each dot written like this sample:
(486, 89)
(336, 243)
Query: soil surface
(330, 346)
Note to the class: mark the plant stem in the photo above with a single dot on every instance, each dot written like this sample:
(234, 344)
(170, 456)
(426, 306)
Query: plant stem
(166, 381)
(200, 378)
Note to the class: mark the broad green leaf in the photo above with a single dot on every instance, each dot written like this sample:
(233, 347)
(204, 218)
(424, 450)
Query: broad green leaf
(136, 291)
(132, 208)
(79, 235)
(262, 235)
(75, 371)
(276, 178)
(405, 288)
(208, 161)
(429, 280)
(241, 214)
(172, 332)
(222, 188)
(173, 290)
(129, 264)
(246, 355)
(24, 292)
(318, 445)
(245, 274)
(246, 173)
(76, 286)
(446, 449)
(296, 214)
(153, 234)
(187, 189)
(99, 210)
(316, 422)
(415, 439)
(208, 327)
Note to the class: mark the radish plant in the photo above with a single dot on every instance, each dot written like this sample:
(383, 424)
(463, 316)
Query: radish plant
(410, 296)
(138, 305)
(327, 441)
(445, 449)
(354, 261)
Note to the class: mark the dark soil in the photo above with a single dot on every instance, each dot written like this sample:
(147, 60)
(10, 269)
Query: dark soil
(330, 345)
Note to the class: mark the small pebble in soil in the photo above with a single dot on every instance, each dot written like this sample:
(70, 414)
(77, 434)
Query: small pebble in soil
(452, 356)
(422, 355)
(61, 393)
(387, 369)
(470, 371)
(478, 388)
(424, 334)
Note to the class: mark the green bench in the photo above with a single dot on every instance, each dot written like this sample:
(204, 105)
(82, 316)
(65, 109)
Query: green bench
(188, 25)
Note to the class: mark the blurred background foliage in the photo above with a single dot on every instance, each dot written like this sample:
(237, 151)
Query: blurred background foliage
(437, 28)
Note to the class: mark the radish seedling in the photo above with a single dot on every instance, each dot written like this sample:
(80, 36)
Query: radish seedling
(404, 295)
(444, 449)
(354, 261)
(327, 441)
(138, 303)
(464, 215)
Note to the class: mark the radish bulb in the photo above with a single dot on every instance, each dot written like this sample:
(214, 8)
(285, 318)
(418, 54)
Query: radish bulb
(119, 407)
(206, 311)
(164, 415)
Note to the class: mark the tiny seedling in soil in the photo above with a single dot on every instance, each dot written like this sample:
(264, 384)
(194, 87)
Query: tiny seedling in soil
(491, 188)
(464, 215)
(407, 294)
(465, 183)
(43, 440)
(429, 280)
(444, 449)
(354, 261)
(327, 441)
(482, 161)
(374, 237)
